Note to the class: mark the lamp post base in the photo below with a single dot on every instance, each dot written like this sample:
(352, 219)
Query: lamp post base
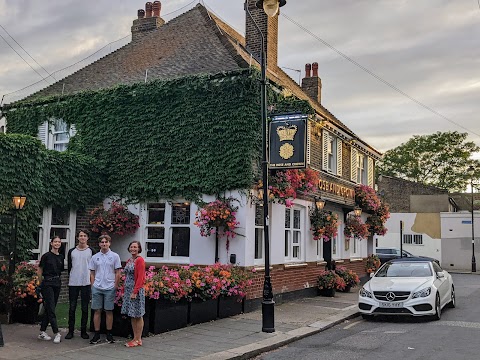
(268, 316)
(474, 264)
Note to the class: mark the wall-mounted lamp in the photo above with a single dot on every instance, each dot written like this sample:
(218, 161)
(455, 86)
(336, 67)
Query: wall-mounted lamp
(270, 6)
(357, 210)
(19, 201)
(319, 203)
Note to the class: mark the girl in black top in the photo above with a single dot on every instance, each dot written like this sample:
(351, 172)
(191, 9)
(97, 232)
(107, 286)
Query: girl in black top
(50, 267)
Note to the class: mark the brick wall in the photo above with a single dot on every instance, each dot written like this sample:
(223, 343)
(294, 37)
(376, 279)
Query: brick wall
(346, 161)
(396, 192)
(285, 280)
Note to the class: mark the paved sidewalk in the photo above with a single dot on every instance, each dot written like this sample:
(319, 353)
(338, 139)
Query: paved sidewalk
(238, 337)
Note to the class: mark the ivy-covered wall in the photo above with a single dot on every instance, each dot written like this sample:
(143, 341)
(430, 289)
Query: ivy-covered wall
(164, 139)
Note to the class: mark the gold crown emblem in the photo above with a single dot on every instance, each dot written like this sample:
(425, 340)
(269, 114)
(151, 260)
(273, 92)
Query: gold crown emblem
(287, 133)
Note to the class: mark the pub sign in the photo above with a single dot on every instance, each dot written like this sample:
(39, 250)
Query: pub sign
(288, 141)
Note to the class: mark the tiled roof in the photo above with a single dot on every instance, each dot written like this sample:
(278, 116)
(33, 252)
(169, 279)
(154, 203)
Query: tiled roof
(187, 45)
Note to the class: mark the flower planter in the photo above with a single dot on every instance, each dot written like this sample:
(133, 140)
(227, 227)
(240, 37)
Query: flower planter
(203, 311)
(122, 325)
(229, 306)
(149, 317)
(347, 289)
(170, 315)
(327, 292)
(25, 314)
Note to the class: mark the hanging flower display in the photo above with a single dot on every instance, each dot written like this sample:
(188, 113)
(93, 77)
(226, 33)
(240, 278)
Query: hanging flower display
(218, 215)
(369, 201)
(324, 224)
(372, 264)
(116, 220)
(355, 228)
(286, 185)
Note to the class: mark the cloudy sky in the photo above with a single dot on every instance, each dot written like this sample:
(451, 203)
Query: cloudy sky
(427, 49)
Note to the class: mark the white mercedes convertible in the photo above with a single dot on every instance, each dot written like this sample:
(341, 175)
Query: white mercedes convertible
(407, 286)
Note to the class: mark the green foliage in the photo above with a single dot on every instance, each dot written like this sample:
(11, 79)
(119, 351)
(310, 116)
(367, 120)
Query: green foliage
(47, 178)
(165, 139)
(440, 159)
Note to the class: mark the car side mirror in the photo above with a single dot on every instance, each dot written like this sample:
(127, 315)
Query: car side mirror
(440, 275)
(372, 274)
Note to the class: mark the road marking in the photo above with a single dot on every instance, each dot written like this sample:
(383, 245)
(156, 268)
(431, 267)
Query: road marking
(395, 332)
(464, 324)
(352, 324)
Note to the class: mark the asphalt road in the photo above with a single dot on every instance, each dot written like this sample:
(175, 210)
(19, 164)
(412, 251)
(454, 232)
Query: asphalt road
(455, 337)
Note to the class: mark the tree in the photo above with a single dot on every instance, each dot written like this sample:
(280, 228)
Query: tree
(440, 159)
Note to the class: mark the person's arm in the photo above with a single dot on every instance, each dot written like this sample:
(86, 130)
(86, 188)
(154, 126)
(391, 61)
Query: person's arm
(92, 277)
(139, 276)
(69, 261)
(118, 274)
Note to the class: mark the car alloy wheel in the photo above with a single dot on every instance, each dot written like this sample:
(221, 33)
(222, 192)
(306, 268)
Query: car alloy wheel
(451, 304)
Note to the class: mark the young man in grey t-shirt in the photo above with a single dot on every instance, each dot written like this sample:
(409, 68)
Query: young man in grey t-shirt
(79, 283)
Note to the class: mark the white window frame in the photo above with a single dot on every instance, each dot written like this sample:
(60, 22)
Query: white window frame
(355, 247)
(336, 253)
(332, 154)
(418, 239)
(46, 226)
(168, 226)
(49, 132)
(294, 232)
(362, 169)
(259, 234)
(408, 239)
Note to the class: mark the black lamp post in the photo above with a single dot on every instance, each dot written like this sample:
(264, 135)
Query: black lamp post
(471, 171)
(18, 202)
(268, 305)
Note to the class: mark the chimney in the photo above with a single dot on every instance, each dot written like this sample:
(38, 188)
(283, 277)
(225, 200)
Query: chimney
(269, 28)
(312, 85)
(146, 23)
(157, 6)
(148, 9)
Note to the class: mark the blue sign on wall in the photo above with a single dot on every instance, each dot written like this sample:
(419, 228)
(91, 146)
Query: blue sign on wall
(466, 221)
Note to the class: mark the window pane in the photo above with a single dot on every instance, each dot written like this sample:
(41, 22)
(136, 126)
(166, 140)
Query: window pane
(287, 219)
(180, 241)
(60, 216)
(156, 233)
(156, 213)
(258, 215)
(181, 213)
(287, 242)
(296, 219)
(334, 246)
(61, 232)
(258, 243)
(296, 252)
(155, 249)
(296, 237)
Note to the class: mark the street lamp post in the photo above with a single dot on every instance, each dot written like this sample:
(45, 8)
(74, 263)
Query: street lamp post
(18, 202)
(268, 305)
(471, 171)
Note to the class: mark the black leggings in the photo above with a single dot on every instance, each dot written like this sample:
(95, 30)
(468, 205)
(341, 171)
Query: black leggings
(73, 292)
(50, 298)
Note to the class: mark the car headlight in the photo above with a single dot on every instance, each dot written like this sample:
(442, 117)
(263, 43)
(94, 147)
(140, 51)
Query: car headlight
(364, 293)
(422, 293)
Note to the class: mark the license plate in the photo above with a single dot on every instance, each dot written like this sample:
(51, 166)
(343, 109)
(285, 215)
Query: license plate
(391, 304)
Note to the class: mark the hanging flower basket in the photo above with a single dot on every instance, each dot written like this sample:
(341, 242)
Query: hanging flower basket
(355, 228)
(117, 220)
(324, 224)
(372, 264)
(218, 215)
(369, 201)
(285, 186)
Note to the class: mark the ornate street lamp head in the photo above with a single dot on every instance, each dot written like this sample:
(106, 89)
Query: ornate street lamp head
(270, 6)
(19, 201)
(319, 203)
(357, 211)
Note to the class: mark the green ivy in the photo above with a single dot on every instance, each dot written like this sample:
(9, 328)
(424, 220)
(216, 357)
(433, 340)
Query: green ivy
(164, 139)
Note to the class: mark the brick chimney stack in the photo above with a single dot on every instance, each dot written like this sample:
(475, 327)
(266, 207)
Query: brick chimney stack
(312, 84)
(148, 20)
(269, 28)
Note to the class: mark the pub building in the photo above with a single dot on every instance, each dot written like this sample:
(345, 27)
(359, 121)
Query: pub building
(165, 50)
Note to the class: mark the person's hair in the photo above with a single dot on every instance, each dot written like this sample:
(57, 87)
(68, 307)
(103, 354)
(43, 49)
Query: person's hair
(106, 237)
(82, 231)
(56, 237)
(139, 246)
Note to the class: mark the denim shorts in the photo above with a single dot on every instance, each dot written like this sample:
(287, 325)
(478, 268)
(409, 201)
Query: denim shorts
(103, 299)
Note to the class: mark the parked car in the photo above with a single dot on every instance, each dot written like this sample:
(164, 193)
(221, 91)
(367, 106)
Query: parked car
(409, 286)
(386, 253)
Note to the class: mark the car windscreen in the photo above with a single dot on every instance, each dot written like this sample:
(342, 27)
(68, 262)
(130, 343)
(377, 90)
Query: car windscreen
(385, 251)
(405, 269)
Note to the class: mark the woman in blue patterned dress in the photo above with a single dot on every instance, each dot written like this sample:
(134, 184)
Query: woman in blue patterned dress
(134, 295)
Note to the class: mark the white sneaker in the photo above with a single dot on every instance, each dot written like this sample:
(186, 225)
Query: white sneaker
(57, 339)
(44, 336)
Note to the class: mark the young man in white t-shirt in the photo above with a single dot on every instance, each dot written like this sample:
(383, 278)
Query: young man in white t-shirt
(79, 282)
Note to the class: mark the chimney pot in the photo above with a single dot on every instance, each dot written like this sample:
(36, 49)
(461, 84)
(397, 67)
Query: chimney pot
(308, 67)
(148, 9)
(141, 13)
(315, 69)
(157, 6)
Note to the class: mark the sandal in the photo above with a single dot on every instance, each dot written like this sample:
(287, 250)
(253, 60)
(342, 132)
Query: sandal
(132, 343)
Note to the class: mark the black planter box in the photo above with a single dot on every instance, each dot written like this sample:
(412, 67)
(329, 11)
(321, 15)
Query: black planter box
(203, 311)
(27, 314)
(230, 306)
(170, 315)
